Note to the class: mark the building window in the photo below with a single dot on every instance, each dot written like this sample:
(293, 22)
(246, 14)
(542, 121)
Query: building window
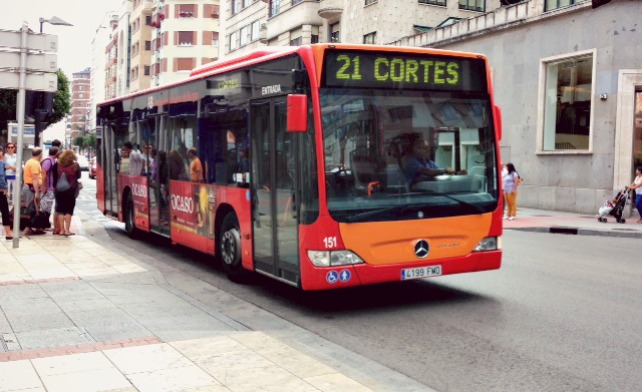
(234, 40)
(335, 35)
(148, 20)
(185, 64)
(256, 26)
(275, 6)
(370, 38)
(244, 38)
(296, 42)
(295, 2)
(568, 97)
(148, 45)
(185, 38)
(185, 10)
(433, 2)
(472, 5)
(314, 39)
(214, 38)
(236, 6)
(147, 70)
(555, 4)
(368, 2)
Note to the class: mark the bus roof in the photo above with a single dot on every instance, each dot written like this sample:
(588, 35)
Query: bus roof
(270, 52)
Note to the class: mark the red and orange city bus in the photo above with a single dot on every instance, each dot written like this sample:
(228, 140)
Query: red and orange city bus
(308, 158)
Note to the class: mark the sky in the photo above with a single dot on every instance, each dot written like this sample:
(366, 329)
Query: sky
(74, 42)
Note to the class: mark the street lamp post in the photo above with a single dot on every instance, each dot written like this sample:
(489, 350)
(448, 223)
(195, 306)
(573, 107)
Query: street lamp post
(54, 20)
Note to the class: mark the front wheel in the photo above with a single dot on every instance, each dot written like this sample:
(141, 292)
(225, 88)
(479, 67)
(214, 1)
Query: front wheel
(229, 248)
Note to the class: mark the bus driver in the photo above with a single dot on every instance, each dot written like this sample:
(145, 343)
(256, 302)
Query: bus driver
(416, 163)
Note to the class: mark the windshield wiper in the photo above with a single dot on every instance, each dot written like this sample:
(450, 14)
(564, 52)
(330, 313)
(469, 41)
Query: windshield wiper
(400, 210)
(474, 207)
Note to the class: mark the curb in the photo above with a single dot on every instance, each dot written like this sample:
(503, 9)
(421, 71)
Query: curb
(569, 230)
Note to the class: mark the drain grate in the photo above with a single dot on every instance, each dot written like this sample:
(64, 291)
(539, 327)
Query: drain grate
(563, 230)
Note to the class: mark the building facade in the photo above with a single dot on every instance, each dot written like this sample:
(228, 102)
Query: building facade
(184, 36)
(98, 60)
(80, 102)
(569, 82)
(140, 46)
(248, 24)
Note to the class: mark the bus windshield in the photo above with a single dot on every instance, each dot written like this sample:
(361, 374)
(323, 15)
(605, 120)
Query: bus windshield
(407, 154)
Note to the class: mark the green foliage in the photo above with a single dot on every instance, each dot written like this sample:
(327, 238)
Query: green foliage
(62, 99)
(61, 106)
(79, 141)
(90, 141)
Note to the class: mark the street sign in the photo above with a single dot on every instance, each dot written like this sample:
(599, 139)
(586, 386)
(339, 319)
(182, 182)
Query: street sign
(29, 130)
(36, 62)
(41, 42)
(33, 81)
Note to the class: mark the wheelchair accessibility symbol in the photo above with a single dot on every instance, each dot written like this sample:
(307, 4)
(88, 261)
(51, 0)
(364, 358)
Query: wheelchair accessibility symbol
(332, 277)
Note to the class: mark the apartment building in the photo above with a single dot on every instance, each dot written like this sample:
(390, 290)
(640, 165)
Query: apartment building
(80, 102)
(98, 81)
(185, 34)
(248, 24)
(569, 81)
(140, 55)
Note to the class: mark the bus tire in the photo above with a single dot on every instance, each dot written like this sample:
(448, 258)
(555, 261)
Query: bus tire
(229, 248)
(130, 221)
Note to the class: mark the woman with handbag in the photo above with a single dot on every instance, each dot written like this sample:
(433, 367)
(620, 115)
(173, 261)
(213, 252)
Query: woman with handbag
(4, 205)
(66, 184)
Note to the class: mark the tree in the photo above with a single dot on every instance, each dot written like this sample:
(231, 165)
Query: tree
(79, 141)
(61, 104)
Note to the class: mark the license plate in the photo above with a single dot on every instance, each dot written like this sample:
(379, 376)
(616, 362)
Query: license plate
(420, 272)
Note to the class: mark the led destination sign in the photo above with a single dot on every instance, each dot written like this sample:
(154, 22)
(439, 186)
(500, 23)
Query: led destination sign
(402, 70)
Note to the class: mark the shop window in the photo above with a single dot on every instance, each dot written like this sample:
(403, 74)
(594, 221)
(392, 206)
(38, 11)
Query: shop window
(568, 98)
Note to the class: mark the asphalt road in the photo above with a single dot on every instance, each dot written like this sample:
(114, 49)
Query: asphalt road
(563, 314)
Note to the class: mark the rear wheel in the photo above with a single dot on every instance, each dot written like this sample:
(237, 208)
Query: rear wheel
(229, 248)
(130, 220)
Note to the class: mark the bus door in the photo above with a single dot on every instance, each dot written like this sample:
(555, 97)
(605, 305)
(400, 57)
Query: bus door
(159, 179)
(274, 186)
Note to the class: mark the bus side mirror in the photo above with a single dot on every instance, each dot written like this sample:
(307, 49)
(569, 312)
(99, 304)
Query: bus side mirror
(297, 113)
(498, 121)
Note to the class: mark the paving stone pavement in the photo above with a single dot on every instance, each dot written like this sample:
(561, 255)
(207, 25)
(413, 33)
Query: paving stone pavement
(78, 316)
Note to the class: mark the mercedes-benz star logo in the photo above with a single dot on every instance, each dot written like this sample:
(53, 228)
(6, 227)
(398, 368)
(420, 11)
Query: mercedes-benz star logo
(422, 248)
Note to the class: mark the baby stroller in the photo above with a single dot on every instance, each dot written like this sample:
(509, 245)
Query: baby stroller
(615, 207)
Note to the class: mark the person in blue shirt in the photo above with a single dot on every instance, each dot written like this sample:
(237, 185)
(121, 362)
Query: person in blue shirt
(4, 205)
(416, 163)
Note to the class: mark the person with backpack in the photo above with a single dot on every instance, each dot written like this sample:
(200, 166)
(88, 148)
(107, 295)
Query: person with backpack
(66, 184)
(48, 166)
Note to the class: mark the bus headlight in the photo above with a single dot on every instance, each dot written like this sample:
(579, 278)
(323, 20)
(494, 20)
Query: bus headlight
(321, 258)
(489, 243)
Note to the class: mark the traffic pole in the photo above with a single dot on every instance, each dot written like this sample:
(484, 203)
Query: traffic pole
(20, 115)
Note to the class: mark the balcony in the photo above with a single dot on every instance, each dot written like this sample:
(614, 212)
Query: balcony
(330, 9)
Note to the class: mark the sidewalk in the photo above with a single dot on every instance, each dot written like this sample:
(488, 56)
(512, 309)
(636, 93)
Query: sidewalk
(77, 316)
(529, 219)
